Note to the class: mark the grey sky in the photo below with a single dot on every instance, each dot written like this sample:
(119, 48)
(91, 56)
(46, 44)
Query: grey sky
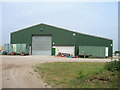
(94, 18)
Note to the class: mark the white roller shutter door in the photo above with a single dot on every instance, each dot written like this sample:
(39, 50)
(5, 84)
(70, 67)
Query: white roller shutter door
(41, 45)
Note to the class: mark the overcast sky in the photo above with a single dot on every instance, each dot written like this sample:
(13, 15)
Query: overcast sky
(94, 18)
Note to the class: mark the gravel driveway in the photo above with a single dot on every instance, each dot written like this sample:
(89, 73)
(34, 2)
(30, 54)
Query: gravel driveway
(17, 71)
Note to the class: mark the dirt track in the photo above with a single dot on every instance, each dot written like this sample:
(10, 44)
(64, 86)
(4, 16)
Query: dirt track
(17, 71)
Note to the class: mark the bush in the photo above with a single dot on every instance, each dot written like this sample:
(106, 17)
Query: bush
(81, 75)
(113, 66)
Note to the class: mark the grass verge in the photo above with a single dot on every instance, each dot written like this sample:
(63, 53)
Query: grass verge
(77, 75)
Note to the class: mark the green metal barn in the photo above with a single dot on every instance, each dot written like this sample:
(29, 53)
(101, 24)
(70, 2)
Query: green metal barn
(43, 38)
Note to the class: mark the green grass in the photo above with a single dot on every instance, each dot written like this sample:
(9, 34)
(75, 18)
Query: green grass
(76, 75)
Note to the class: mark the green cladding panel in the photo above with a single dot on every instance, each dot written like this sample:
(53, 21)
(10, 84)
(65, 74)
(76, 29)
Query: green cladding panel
(94, 51)
(60, 37)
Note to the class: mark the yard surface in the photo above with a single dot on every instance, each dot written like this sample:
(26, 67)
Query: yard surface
(17, 71)
(77, 75)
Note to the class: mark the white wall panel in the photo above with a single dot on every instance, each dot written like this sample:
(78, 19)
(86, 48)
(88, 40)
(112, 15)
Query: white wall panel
(65, 49)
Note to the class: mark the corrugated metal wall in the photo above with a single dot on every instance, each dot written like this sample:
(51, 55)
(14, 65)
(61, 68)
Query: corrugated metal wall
(60, 37)
(41, 45)
(94, 51)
